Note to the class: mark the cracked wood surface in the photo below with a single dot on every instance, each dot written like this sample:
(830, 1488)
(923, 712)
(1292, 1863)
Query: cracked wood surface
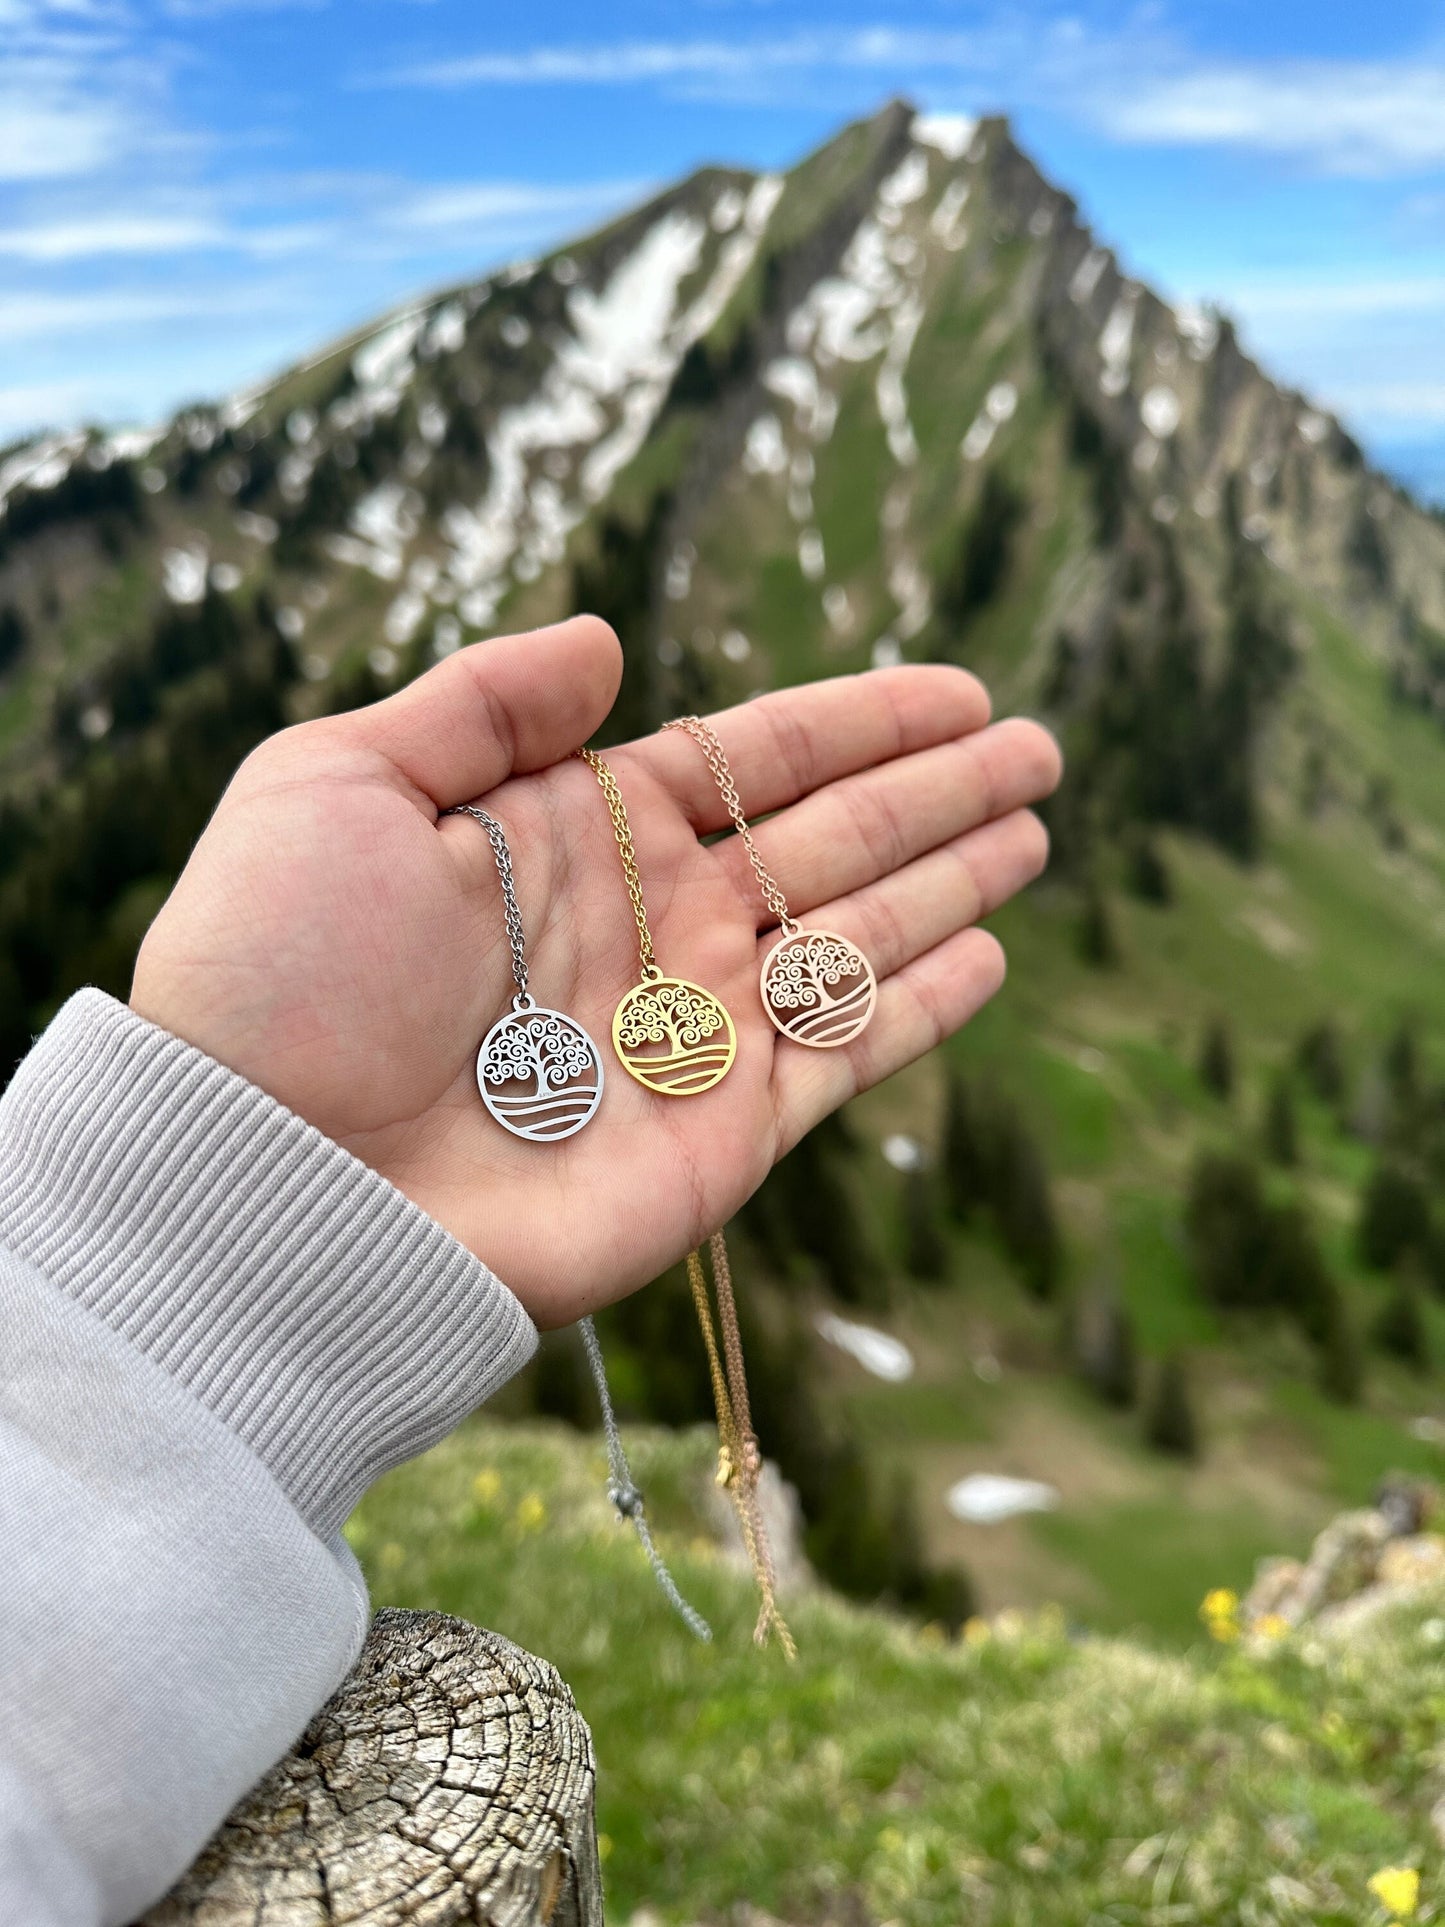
(450, 1780)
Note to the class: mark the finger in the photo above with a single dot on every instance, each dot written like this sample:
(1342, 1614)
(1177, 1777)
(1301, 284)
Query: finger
(918, 1007)
(515, 703)
(867, 826)
(787, 744)
(907, 914)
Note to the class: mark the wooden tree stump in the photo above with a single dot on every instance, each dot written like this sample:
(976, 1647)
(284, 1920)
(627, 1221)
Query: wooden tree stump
(450, 1780)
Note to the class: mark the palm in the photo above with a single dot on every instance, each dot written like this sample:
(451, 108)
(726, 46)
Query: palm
(337, 944)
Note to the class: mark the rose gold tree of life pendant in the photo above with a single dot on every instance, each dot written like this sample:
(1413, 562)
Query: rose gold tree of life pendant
(816, 987)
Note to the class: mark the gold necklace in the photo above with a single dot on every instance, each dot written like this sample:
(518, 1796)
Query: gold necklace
(740, 1458)
(686, 1020)
(694, 1032)
(816, 987)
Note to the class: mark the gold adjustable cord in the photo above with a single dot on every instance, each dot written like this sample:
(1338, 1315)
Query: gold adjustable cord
(739, 1459)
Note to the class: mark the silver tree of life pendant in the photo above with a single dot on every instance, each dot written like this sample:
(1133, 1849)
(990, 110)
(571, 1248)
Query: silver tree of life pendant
(539, 1073)
(818, 988)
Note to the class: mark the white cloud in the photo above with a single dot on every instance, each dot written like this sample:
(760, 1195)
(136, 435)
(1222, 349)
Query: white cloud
(1141, 87)
(1351, 117)
(24, 406)
(1385, 295)
(33, 315)
(51, 139)
(1393, 404)
(79, 240)
(487, 204)
(108, 232)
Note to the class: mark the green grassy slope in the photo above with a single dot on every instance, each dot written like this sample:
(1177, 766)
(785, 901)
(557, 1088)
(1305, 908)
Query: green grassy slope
(1020, 1777)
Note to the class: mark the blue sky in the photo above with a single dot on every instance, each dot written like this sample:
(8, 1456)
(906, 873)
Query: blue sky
(193, 192)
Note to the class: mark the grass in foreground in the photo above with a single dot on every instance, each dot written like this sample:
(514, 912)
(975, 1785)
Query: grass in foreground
(1018, 1776)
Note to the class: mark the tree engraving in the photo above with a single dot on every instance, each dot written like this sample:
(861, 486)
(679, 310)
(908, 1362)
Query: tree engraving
(668, 1013)
(543, 1052)
(803, 975)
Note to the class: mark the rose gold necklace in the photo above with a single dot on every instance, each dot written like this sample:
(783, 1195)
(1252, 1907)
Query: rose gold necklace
(817, 988)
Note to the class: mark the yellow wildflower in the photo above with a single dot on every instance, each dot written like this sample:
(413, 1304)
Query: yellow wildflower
(1397, 1889)
(1272, 1626)
(487, 1485)
(531, 1512)
(976, 1631)
(1220, 1612)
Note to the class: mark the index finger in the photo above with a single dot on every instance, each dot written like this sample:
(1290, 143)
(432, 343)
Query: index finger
(785, 745)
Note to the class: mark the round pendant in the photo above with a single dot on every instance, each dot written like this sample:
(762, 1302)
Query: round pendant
(673, 1036)
(539, 1073)
(818, 989)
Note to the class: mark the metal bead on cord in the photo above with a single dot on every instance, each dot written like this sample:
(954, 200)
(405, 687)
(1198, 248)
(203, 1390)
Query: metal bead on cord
(625, 1495)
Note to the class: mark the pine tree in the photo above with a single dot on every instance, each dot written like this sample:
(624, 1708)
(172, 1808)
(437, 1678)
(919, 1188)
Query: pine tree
(1321, 1062)
(1394, 1217)
(965, 1160)
(1403, 1081)
(1148, 874)
(925, 1250)
(1216, 1059)
(12, 638)
(1281, 1133)
(1023, 1204)
(1169, 1421)
(1108, 1356)
(1342, 1361)
(561, 1387)
(1227, 1223)
(1399, 1326)
(1098, 943)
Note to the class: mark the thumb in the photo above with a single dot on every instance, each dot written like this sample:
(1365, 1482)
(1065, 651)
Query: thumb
(512, 704)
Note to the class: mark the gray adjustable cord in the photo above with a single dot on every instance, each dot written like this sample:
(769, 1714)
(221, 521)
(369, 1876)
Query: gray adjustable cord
(625, 1495)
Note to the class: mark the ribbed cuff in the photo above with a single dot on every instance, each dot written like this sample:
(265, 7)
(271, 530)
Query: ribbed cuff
(331, 1324)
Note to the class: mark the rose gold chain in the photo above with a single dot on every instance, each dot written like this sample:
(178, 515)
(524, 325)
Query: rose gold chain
(705, 736)
(739, 1459)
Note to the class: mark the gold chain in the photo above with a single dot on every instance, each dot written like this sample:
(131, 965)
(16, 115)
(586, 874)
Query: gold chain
(740, 1461)
(622, 830)
(705, 736)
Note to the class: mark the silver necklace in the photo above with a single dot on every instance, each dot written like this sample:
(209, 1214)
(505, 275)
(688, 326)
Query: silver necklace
(538, 1071)
(558, 1071)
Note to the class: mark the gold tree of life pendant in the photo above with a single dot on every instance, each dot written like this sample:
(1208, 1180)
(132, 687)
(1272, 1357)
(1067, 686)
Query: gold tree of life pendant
(817, 988)
(670, 1034)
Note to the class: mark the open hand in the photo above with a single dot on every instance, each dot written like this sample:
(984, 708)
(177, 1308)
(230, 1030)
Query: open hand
(338, 945)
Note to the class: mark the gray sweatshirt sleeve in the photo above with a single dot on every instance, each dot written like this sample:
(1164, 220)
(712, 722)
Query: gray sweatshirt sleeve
(216, 1329)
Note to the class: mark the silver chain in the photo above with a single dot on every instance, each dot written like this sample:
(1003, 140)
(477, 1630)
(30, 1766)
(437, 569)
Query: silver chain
(510, 907)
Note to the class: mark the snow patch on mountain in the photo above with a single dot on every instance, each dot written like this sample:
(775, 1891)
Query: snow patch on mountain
(599, 398)
(1116, 344)
(183, 574)
(949, 133)
(946, 220)
(40, 465)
